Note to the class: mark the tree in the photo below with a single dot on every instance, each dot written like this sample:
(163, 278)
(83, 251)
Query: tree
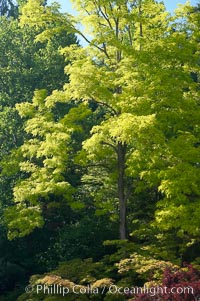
(133, 58)
(46, 154)
(8, 8)
(25, 65)
(120, 37)
(128, 69)
(179, 180)
(171, 164)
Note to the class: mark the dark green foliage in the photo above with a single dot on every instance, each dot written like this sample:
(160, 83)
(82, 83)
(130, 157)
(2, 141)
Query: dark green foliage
(82, 237)
(8, 8)
(26, 65)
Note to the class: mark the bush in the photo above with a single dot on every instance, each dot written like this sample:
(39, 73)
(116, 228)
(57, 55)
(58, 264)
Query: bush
(185, 284)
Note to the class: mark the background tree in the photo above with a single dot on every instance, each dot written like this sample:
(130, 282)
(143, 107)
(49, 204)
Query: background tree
(24, 67)
(8, 8)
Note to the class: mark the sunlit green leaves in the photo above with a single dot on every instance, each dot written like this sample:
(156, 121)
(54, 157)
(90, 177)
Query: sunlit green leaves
(22, 220)
(137, 71)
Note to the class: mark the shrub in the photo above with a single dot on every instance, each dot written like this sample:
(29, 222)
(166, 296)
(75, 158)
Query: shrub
(180, 285)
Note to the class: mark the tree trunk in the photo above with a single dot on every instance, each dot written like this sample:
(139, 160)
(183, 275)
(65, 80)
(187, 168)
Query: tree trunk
(121, 190)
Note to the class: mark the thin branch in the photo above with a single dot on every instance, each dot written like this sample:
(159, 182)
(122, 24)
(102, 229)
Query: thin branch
(111, 8)
(106, 105)
(90, 42)
(89, 14)
(141, 27)
(105, 49)
(117, 27)
(130, 35)
(111, 145)
(104, 14)
(106, 17)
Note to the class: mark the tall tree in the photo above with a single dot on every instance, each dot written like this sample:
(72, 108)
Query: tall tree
(111, 67)
(136, 53)
(25, 65)
(133, 60)
(179, 180)
(118, 38)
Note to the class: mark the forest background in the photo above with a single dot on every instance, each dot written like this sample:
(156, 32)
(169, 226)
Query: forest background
(99, 149)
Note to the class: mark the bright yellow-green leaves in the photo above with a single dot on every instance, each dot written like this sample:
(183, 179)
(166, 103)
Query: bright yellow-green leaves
(46, 153)
(138, 66)
(113, 72)
(112, 22)
(44, 162)
(126, 128)
(31, 12)
(48, 18)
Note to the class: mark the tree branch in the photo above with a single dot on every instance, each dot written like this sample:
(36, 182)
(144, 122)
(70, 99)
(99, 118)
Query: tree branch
(130, 35)
(90, 42)
(106, 105)
(111, 145)
(106, 17)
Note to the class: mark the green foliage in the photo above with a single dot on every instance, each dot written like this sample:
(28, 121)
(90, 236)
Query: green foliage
(45, 156)
(49, 18)
(8, 8)
(129, 68)
(36, 65)
(146, 267)
(119, 269)
(22, 220)
(119, 142)
(24, 67)
(73, 241)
